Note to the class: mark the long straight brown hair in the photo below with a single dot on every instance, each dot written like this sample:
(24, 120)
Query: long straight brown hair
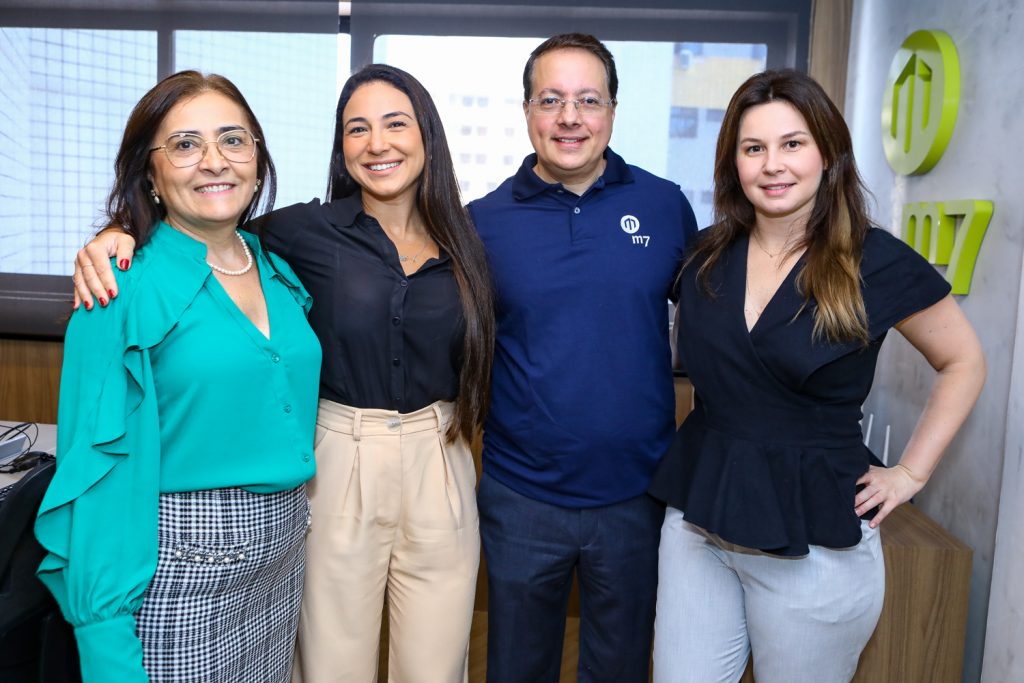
(838, 223)
(449, 224)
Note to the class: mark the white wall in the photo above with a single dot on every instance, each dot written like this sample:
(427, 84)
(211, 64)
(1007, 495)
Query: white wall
(981, 162)
(1005, 634)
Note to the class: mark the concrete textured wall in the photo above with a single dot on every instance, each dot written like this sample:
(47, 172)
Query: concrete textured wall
(976, 493)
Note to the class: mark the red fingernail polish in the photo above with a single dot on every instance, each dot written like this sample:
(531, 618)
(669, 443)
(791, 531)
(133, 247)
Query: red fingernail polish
(111, 293)
(123, 264)
(88, 305)
(103, 302)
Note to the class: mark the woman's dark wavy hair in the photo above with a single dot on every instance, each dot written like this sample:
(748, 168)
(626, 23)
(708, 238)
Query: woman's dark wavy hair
(838, 222)
(130, 204)
(449, 224)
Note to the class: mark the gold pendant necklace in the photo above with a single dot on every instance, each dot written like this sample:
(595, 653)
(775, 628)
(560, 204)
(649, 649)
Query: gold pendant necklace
(785, 245)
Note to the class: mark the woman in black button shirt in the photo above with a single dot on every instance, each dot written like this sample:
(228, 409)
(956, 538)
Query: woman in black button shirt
(402, 307)
(768, 545)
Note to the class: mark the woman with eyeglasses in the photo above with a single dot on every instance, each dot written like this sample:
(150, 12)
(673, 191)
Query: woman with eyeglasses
(175, 523)
(403, 310)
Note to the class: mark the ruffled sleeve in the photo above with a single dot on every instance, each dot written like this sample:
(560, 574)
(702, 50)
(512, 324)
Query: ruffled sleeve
(98, 519)
(897, 281)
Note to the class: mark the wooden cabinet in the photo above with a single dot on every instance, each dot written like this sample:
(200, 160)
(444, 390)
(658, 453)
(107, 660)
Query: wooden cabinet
(920, 635)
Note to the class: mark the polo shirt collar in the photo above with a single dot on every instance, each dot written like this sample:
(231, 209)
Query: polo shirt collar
(526, 183)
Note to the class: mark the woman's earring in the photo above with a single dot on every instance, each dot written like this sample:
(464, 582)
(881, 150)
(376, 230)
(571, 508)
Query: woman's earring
(257, 186)
(156, 197)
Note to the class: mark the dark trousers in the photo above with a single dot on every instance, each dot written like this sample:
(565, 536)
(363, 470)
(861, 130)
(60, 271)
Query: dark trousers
(532, 549)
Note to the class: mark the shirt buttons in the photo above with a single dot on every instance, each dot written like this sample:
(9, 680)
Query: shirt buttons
(396, 361)
(287, 407)
(396, 321)
(276, 358)
(576, 210)
(404, 283)
(305, 458)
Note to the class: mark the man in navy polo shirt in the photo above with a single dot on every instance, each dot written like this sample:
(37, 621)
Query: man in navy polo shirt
(583, 249)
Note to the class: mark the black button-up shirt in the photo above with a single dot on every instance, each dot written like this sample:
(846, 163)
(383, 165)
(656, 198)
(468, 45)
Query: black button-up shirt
(390, 340)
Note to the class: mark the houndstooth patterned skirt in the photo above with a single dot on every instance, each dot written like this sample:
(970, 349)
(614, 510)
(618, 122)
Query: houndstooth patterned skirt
(223, 605)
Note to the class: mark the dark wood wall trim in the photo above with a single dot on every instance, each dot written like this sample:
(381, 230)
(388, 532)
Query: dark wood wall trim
(30, 379)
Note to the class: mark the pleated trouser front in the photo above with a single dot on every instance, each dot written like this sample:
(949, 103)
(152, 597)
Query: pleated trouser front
(394, 523)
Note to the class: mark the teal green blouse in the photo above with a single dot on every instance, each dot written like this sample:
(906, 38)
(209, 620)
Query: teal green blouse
(169, 388)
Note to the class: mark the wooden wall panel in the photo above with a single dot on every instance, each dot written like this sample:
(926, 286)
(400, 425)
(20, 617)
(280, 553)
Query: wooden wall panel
(30, 379)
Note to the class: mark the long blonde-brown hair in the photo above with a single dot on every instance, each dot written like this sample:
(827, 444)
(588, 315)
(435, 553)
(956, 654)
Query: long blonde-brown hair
(838, 223)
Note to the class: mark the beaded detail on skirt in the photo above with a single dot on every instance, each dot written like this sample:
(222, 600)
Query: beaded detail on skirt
(223, 605)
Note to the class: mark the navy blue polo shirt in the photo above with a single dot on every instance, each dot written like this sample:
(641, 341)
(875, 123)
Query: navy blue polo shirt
(582, 404)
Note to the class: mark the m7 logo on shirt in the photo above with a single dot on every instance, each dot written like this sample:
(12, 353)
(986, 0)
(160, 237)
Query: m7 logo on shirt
(630, 225)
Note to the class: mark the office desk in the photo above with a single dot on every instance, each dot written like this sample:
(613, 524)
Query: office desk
(36, 644)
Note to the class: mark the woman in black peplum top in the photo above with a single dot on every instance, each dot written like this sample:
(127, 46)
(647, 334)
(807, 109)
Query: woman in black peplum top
(770, 544)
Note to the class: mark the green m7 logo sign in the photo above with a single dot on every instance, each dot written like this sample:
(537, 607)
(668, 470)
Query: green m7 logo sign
(922, 95)
(948, 234)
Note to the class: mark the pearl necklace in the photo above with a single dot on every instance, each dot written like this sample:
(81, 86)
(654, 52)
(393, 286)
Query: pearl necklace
(248, 260)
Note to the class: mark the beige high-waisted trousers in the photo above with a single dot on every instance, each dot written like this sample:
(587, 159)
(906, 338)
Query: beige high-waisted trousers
(394, 523)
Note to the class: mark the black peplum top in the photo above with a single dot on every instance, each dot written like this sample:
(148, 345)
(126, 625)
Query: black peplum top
(770, 455)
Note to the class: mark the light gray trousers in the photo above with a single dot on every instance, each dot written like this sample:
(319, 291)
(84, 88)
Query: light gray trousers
(805, 618)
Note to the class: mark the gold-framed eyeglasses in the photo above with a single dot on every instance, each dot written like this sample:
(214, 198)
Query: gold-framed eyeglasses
(549, 104)
(187, 149)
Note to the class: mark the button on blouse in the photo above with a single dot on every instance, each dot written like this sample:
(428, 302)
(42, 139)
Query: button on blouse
(390, 340)
(170, 388)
